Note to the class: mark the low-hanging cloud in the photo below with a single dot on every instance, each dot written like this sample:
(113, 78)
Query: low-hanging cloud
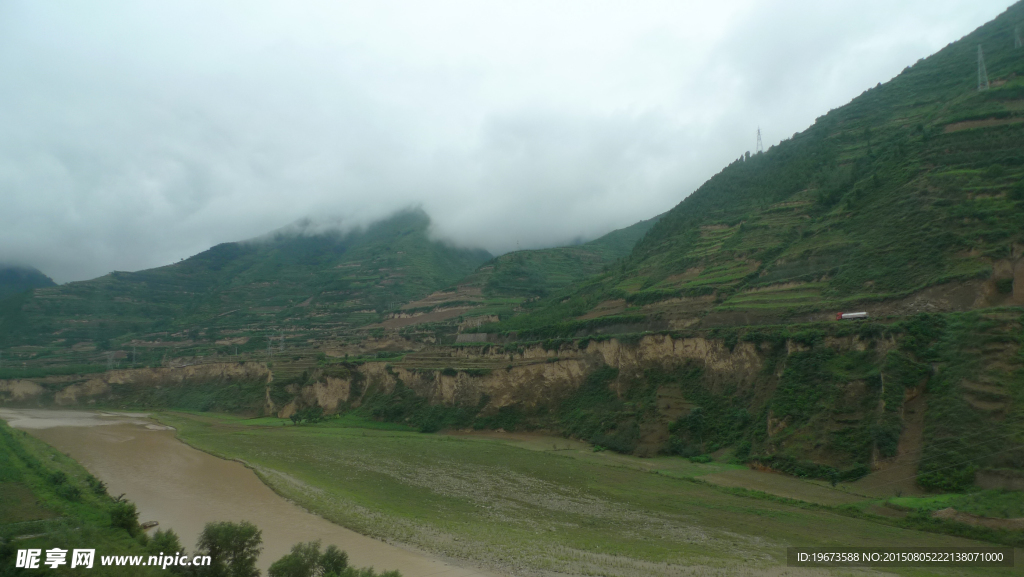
(136, 134)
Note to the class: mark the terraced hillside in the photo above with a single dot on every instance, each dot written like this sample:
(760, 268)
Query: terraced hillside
(917, 183)
(533, 273)
(238, 295)
(501, 285)
(307, 293)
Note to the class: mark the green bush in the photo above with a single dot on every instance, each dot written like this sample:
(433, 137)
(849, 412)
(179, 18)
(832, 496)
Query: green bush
(124, 515)
(69, 492)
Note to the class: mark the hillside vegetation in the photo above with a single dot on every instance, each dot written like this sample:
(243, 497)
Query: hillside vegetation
(534, 273)
(286, 280)
(915, 183)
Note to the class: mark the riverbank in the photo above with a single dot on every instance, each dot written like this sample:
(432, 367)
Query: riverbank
(183, 488)
(47, 501)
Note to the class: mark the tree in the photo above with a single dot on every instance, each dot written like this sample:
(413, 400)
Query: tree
(306, 560)
(124, 515)
(233, 548)
(303, 561)
(333, 561)
(166, 543)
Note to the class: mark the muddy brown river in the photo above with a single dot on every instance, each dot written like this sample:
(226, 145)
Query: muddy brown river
(183, 488)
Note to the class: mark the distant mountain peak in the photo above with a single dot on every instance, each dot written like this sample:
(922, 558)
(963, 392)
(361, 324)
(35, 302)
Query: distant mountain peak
(16, 279)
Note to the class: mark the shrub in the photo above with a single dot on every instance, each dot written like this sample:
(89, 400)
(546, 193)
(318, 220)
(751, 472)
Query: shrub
(69, 492)
(97, 486)
(124, 515)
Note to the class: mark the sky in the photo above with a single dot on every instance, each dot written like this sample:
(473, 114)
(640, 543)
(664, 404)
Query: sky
(137, 133)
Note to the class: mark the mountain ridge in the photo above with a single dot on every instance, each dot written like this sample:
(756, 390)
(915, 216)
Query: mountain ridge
(917, 182)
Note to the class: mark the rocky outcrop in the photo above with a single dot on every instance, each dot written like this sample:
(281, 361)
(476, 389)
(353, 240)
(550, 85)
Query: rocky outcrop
(533, 375)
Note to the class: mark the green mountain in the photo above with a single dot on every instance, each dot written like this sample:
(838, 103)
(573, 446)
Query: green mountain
(533, 273)
(18, 279)
(915, 183)
(287, 280)
(501, 285)
(907, 203)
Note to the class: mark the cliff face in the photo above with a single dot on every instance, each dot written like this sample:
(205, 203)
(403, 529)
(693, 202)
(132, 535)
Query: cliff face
(530, 377)
(820, 399)
(826, 400)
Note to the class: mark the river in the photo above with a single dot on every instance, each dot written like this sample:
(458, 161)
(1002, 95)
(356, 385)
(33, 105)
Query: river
(183, 488)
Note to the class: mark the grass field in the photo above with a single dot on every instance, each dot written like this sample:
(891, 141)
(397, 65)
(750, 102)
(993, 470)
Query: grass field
(531, 505)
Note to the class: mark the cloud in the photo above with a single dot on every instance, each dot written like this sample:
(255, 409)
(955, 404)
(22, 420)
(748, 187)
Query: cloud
(136, 134)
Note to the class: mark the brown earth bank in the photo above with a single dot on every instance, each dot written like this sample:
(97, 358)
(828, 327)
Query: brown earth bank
(111, 386)
(659, 381)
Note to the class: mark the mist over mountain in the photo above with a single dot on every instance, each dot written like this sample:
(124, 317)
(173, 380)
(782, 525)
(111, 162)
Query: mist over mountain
(17, 279)
(512, 126)
(332, 280)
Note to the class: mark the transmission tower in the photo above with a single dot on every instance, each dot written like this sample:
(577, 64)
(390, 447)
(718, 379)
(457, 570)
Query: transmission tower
(1016, 37)
(982, 74)
(760, 147)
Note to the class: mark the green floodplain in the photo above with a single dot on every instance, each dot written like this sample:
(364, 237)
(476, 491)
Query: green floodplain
(530, 504)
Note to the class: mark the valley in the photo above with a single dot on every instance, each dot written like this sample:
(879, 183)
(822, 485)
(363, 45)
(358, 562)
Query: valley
(676, 397)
